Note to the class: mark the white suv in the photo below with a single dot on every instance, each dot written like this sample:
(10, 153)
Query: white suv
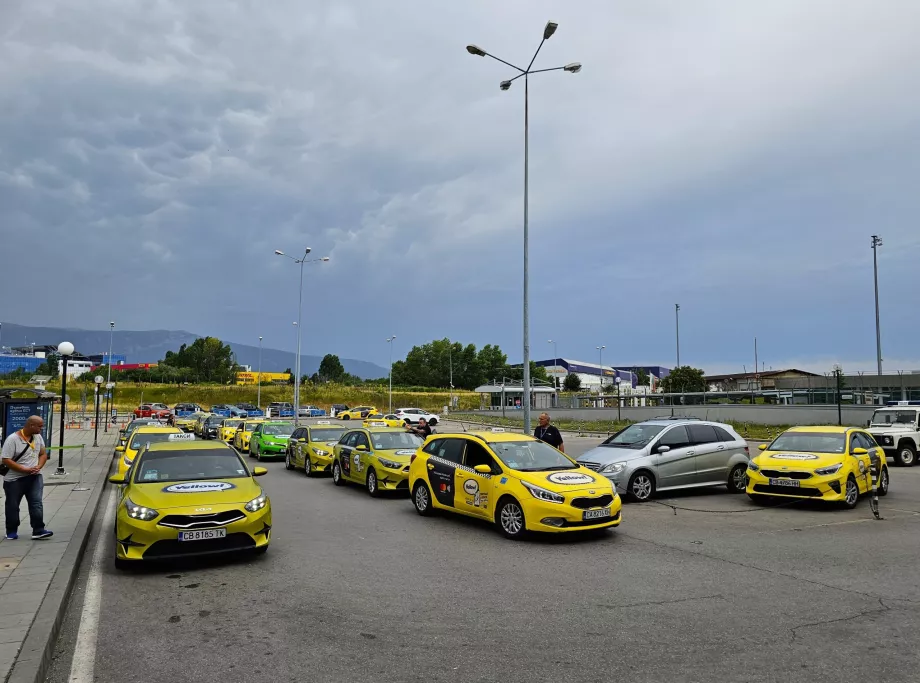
(896, 428)
(413, 415)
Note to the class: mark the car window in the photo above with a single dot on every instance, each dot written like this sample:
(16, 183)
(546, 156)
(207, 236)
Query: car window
(476, 454)
(349, 439)
(700, 434)
(451, 449)
(257, 429)
(675, 437)
(433, 447)
(854, 441)
(864, 441)
(723, 434)
(299, 433)
(362, 440)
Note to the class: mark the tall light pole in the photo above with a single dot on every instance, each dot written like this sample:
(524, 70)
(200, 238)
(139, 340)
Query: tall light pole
(600, 363)
(876, 243)
(574, 67)
(677, 329)
(259, 378)
(390, 342)
(450, 365)
(300, 261)
(108, 372)
(66, 350)
(98, 385)
(555, 366)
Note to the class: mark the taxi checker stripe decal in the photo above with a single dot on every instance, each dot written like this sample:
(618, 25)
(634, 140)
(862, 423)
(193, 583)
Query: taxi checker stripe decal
(451, 463)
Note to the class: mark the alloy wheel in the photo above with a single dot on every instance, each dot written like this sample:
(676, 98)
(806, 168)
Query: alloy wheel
(852, 494)
(642, 487)
(421, 498)
(512, 518)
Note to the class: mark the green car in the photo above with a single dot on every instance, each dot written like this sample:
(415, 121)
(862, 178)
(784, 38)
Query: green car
(270, 439)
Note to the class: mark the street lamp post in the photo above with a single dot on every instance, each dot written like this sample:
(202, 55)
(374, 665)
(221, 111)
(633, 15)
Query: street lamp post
(618, 380)
(390, 342)
(259, 378)
(555, 366)
(108, 374)
(600, 364)
(300, 261)
(66, 350)
(876, 243)
(98, 379)
(574, 67)
(450, 365)
(677, 330)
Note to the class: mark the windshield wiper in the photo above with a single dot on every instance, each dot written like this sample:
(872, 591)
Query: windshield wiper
(548, 469)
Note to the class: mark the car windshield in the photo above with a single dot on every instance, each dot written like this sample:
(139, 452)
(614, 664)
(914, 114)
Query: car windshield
(278, 430)
(891, 417)
(189, 466)
(247, 406)
(230, 423)
(531, 456)
(634, 436)
(139, 440)
(249, 426)
(810, 442)
(212, 421)
(396, 440)
(326, 434)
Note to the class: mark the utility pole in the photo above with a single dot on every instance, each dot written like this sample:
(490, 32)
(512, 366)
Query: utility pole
(450, 360)
(756, 374)
(876, 243)
(259, 378)
(677, 321)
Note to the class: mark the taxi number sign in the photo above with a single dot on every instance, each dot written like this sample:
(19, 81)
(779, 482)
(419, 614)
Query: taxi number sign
(181, 437)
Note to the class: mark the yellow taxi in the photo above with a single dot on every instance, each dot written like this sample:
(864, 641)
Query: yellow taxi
(228, 429)
(359, 413)
(383, 421)
(140, 438)
(375, 457)
(187, 422)
(516, 481)
(244, 434)
(198, 428)
(186, 497)
(311, 447)
(832, 464)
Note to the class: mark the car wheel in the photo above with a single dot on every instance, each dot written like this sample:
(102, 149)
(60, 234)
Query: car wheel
(287, 461)
(373, 487)
(641, 486)
(337, 473)
(307, 465)
(883, 483)
(737, 479)
(851, 493)
(421, 498)
(509, 518)
(346, 417)
(905, 456)
(433, 421)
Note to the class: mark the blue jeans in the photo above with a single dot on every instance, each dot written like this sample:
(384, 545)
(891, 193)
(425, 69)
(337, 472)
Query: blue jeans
(30, 486)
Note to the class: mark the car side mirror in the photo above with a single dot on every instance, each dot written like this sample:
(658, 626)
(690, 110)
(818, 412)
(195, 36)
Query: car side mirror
(117, 479)
(259, 471)
(859, 451)
(362, 447)
(483, 469)
(119, 449)
(302, 440)
(762, 447)
(663, 449)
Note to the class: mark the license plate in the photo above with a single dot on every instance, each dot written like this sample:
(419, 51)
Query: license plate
(596, 514)
(785, 482)
(202, 534)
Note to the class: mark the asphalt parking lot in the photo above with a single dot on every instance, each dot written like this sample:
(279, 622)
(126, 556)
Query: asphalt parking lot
(357, 589)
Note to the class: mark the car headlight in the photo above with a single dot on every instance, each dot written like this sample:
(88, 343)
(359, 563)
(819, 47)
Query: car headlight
(830, 469)
(613, 468)
(543, 494)
(390, 463)
(139, 512)
(753, 466)
(320, 452)
(257, 504)
(127, 461)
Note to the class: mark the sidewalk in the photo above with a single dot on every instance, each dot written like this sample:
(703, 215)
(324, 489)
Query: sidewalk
(36, 576)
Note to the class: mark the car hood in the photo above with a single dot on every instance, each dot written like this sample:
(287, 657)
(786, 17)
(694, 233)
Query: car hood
(581, 480)
(891, 429)
(275, 437)
(796, 461)
(165, 495)
(607, 454)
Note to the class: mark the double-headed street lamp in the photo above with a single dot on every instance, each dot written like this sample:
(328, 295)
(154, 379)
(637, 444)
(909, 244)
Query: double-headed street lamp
(876, 243)
(300, 261)
(574, 67)
(390, 342)
(108, 373)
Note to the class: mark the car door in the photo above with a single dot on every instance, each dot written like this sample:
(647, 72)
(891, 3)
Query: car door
(711, 454)
(445, 456)
(297, 444)
(346, 448)
(863, 461)
(474, 489)
(676, 464)
(360, 458)
(254, 437)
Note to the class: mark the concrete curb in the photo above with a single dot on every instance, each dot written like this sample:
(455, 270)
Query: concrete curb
(34, 657)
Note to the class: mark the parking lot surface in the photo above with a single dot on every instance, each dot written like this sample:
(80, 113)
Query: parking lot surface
(358, 589)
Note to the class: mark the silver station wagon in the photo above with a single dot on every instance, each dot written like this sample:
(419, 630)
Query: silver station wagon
(668, 454)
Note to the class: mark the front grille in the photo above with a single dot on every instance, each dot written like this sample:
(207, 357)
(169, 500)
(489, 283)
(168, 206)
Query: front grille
(586, 503)
(590, 522)
(176, 548)
(787, 490)
(776, 474)
(202, 521)
(591, 465)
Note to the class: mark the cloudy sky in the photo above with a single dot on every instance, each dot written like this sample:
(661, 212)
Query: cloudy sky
(731, 157)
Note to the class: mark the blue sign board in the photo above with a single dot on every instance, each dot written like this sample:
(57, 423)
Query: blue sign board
(255, 413)
(17, 412)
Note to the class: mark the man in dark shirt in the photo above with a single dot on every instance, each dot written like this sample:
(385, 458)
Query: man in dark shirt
(423, 430)
(546, 432)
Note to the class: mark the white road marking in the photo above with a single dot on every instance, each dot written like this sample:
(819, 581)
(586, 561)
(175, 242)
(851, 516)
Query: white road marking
(84, 655)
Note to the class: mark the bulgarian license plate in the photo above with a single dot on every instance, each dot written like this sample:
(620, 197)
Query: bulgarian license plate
(596, 514)
(202, 534)
(793, 483)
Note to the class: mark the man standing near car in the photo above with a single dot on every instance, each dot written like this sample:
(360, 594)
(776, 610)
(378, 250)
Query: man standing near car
(24, 454)
(423, 430)
(548, 433)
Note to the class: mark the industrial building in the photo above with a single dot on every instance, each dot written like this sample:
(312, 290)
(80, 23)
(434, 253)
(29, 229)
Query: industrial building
(594, 376)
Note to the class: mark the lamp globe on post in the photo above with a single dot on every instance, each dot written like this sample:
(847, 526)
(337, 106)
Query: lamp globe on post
(619, 402)
(66, 350)
(98, 379)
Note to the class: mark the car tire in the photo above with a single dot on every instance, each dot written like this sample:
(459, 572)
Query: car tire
(905, 456)
(421, 499)
(851, 498)
(371, 483)
(641, 486)
(737, 479)
(884, 482)
(346, 417)
(433, 421)
(337, 474)
(287, 460)
(307, 465)
(509, 518)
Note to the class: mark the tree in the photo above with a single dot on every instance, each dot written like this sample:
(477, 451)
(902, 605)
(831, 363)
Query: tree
(208, 358)
(572, 382)
(683, 379)
(331, 369)
(50, 366)
(290, 374)
(641, 376)
(492, 362)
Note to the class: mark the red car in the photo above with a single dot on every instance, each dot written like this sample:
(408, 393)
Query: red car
(160, 410)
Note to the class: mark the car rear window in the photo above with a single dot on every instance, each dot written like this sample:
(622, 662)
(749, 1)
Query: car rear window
(723, 435)
(702, 434)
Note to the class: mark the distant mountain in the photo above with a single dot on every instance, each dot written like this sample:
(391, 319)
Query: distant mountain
(150, 346)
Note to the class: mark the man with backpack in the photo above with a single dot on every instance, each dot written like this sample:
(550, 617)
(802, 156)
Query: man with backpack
(23, 456)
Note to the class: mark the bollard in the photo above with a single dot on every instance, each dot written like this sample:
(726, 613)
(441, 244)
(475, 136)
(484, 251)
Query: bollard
(80, 486)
